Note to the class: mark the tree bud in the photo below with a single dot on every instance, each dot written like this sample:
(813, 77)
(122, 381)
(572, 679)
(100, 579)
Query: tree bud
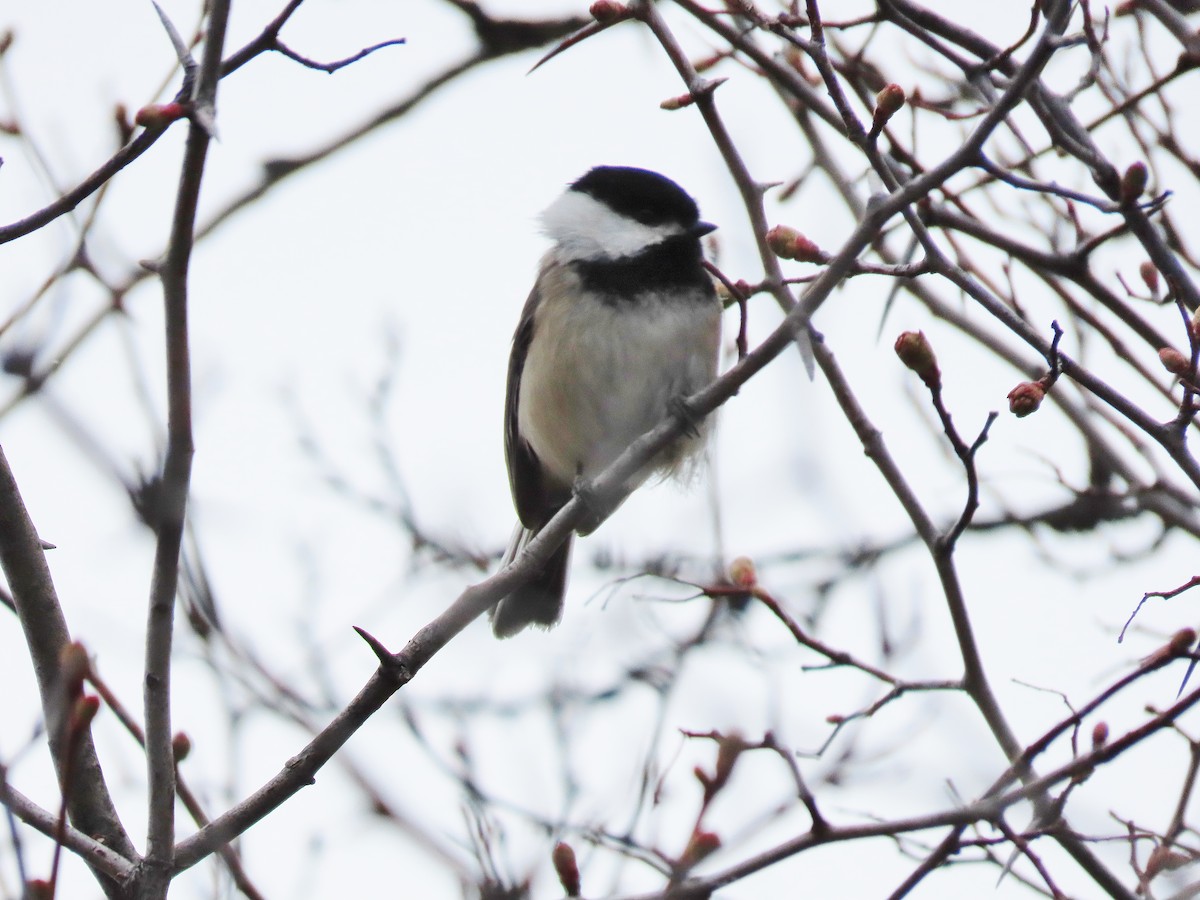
(888, 102)
(606, 12)
(742, 572)
(567, 868)
(1181, 641)
(1174, 361)
(1133, 182)
(679, 102)
(915, 351)
(159, 115)
(1025, 398)
(1149, 277)
(788, 243)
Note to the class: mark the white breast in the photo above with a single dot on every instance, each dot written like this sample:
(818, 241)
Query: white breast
(599, 375)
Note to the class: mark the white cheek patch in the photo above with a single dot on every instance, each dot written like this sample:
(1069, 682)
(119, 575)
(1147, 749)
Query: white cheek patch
(585, 228)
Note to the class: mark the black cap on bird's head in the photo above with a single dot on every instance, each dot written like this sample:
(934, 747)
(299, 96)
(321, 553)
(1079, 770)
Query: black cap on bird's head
(644, 196)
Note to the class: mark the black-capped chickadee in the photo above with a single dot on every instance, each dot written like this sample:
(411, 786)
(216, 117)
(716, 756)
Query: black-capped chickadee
(622, 322)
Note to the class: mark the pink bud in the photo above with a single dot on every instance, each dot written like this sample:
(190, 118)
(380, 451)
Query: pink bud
(742, 572)
(701, 845)
(1133, 182)
(888, 102)
(606, 12)
(567, 868)
(1025, 398)
(1149, 276)
(1181, 641)
(780, 239)
(83, 712)
(159, 115)
(679, 102)
(1174, 361)
(916, 352)
(788, 243)
(73, 668)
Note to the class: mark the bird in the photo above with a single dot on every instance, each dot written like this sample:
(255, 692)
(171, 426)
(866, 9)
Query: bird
(622, 323)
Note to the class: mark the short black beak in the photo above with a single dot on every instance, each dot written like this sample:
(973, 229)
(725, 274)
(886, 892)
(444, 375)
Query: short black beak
(701, 228)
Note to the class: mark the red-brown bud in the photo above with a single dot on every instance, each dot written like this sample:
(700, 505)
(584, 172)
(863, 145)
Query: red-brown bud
(1179, 644)
(780, 239)
(83, 712)
(788, 243)
(567, 868)
(916, 352)
(1149, 276)
(73, 669)
(679, 102)
(1099, 735)
(1025, 398)
(1163, 859)
(1174, 361)
(606, 12)
(701, 845)
(159, 115)
(1133, 182)
(181, 746)
(805, 250)
(742, 573)
(1181, 641)
(888, 102)
(729, 748)
(124, 126)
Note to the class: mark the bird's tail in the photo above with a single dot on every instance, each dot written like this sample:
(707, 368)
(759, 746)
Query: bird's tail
(538, 601)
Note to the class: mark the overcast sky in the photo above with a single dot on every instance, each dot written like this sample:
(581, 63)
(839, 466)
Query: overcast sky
(408, 257)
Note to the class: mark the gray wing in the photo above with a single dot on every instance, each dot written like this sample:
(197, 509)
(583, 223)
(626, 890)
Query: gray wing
(535, 503)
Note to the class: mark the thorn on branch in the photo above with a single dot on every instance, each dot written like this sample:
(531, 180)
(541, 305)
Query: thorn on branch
(387, 659)
(566, 43)
(186, 61)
